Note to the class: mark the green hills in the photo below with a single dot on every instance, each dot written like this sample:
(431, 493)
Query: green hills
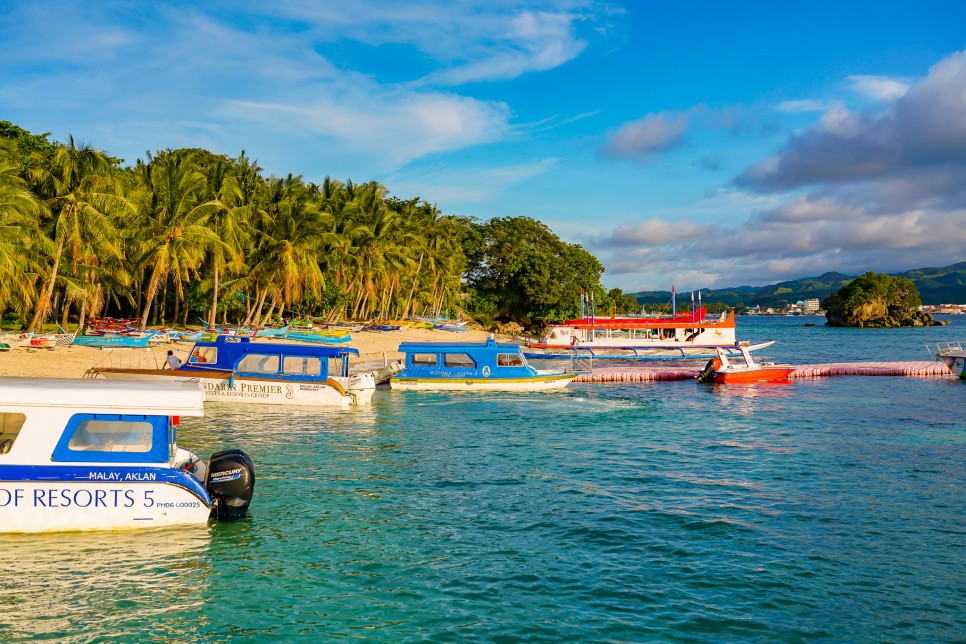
(945, 285)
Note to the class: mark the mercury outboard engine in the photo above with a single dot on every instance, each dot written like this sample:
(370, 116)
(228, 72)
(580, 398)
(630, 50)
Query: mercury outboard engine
(707, 375)
(230, 482)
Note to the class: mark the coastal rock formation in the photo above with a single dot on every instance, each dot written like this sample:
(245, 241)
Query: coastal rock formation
(877, 301)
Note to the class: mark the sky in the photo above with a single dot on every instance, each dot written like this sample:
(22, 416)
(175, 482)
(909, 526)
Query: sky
(695, 144)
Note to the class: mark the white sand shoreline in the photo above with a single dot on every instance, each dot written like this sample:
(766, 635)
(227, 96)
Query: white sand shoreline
(74, 361)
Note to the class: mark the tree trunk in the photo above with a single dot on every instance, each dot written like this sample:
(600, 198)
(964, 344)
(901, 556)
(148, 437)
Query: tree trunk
(412, 291)
(214, 297)
(149, 296)
(43, 302)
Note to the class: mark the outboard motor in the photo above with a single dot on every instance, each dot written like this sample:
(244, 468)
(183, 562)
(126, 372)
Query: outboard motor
(361, 387)
(707, 374)
(230, 482)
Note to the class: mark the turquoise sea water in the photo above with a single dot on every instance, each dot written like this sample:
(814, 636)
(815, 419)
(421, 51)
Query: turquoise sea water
(829, 509)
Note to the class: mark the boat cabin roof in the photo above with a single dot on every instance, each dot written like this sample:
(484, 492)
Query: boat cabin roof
(458, 347)
(104, 396)
(238, 345)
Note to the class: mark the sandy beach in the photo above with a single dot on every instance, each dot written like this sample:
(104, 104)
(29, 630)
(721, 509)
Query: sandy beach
(74, 361)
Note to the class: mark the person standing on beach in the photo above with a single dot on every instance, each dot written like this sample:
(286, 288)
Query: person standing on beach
(172, 361)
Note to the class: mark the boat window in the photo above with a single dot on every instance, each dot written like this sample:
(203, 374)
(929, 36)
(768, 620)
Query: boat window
(204, 355)
(509, 360)
(115, 438)
(10, 425)
(301, 366)
(424, 359)
(112, 436)
(459, 360)
(259, 363)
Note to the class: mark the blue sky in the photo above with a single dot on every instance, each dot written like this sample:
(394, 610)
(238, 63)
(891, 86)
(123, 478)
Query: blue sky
(700, 144)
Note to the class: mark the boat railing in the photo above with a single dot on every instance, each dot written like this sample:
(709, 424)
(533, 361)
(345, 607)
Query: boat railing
(943, 348)
(581, 363)
(124, 358)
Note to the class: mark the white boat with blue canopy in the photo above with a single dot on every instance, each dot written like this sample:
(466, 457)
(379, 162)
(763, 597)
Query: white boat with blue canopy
(80, 454)
(235, 369)
(472, 366)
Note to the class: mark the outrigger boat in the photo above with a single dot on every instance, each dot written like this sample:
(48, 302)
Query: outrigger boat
(685, 335)
(232, 368)
(116, 339)
(954, 357)
(467, 366)
(744, 371)
(82, 455)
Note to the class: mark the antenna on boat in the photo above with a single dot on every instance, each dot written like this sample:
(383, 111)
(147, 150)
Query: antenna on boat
(692, 306)
(674, 304)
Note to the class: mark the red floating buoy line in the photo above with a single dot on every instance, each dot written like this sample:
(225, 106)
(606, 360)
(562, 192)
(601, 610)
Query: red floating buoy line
(651, 374)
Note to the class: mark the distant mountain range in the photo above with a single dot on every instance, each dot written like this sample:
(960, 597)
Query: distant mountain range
(945, 285)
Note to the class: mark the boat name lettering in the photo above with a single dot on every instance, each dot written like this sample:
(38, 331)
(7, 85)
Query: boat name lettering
(217, 475)
(67, 498)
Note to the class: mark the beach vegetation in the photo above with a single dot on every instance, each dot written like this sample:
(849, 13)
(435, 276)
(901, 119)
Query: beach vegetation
(187, 235)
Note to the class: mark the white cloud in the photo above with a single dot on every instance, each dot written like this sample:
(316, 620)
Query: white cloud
(805, 105)
(879, 88)
(646, 138)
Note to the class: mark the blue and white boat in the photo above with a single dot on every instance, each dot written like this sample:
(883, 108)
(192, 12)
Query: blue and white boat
(82, 454)
(114, 340)
(235, 369)
(472, 366)
(954, 357)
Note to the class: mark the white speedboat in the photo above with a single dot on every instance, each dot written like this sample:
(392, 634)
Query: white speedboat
(81, 454)
(954, 356)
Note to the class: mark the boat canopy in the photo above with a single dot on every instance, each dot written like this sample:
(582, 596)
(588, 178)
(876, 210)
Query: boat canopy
(457, 347)
(116, 396)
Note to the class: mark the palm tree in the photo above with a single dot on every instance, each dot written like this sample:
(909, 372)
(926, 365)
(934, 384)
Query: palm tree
(172, 222)
(19, 222)
(287, 241)
(79, 194)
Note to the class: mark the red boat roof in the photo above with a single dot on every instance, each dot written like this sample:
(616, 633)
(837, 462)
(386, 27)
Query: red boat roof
(680, 320)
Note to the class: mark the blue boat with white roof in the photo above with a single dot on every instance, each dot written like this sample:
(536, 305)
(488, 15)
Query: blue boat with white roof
(472, 366)
(233, 368)
(80, 454)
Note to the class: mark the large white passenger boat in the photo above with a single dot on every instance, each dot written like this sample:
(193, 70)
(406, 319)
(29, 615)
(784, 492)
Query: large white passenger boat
(84, 454)
(685, 335)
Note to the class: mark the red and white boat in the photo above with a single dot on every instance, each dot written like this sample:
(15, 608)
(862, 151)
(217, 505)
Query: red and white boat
(742, 370)
(685, 335)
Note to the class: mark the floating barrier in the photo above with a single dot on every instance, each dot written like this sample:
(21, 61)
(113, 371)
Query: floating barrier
(649, 374)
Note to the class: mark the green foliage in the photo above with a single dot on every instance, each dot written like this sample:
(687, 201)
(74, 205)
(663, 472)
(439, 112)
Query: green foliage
(162, 238)
(525, 272)
(872, 298)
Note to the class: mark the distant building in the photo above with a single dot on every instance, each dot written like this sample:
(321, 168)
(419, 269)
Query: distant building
(810, 306)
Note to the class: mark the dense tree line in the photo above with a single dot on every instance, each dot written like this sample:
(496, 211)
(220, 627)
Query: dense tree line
(189, 234)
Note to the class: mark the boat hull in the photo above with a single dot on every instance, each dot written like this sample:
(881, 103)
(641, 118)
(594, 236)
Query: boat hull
(956, 364)
(751, 376)
(537, 383)
(661, 351)
(239, 389)
(129, 498)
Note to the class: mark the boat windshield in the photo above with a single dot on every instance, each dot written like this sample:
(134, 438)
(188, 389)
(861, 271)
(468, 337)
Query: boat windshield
(459, 360)
(10, 425)
(509, 360)
(301, 366)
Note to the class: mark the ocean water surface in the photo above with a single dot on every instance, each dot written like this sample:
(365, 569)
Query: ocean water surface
(828, 509)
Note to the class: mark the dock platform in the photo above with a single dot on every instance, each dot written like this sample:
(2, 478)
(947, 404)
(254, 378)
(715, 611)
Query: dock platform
(636, 373)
